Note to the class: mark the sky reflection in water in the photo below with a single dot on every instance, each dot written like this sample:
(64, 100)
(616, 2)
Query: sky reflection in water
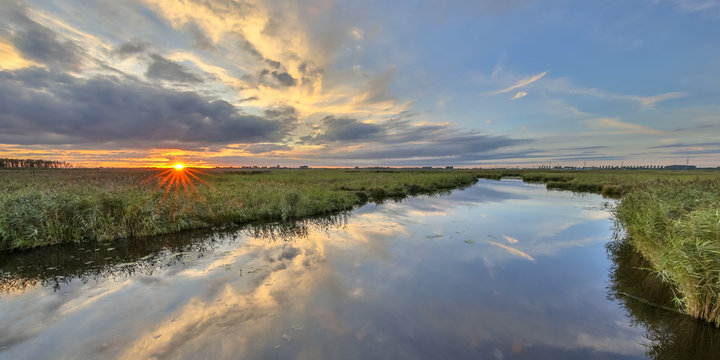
(502, 270)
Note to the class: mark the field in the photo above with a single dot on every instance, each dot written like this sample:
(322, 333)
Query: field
(43, 207)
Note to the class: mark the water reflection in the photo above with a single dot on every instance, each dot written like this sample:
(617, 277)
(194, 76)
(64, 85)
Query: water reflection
(648, 301)
(422, 278)
(54, 266)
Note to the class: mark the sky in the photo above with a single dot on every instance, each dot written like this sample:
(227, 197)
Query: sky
(481, 83)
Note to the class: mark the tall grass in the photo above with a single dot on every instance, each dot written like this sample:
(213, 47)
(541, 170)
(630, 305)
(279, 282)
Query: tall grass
(43, 207)
(676, 227)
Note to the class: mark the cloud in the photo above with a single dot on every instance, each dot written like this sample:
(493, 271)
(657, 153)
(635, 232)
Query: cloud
(565, 86)
(285, 52)
(131, 48)
(686, 145)
(266, 148)
(280, 78)
(404, 143)
(38, 43)
(518, 95)
(693, 5)
(523, 82)
(346, 130)
(164, 69)
(356, 33)
(650, 101)
(41, 107)
(621, 128)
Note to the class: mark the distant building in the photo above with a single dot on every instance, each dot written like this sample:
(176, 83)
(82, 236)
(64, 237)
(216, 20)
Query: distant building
(304, 167)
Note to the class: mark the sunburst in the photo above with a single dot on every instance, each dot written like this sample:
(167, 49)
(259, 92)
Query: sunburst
(179, 177)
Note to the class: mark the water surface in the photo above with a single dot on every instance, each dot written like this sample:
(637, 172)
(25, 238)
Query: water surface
(501, 270)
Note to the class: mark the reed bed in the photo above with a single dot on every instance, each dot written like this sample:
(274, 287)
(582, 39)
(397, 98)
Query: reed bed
(676, 227)
(44, 207)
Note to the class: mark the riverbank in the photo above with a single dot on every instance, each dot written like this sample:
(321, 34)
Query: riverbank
(44, 207)
(672, 218)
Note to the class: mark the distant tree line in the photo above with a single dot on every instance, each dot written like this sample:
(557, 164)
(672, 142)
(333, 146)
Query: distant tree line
(32, 164)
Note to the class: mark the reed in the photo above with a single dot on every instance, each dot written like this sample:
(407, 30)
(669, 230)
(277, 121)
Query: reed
(43, 207)
(676, 227)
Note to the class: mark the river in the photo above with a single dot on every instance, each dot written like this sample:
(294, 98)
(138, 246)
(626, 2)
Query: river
(500, 270)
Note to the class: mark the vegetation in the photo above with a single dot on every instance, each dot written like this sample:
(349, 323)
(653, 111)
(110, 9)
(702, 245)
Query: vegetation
(676, 227)
(44, 207)
(31, 164)
(611, 183)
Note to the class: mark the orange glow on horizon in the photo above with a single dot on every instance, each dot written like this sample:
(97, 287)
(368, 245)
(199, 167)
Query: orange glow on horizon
(179, 167)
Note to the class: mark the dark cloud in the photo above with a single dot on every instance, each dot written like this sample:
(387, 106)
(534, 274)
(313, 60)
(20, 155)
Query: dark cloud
(285, 113)
(38, 43)
(131, 48)
(404, 143)
(41, 107)
(468, 147)
(251, 98)
(275, 78)
(164, 69)
(273, 64)
(284, 78)
(265, 148)
(345, 130)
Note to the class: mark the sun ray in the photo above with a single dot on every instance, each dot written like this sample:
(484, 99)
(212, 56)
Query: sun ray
(176, 178)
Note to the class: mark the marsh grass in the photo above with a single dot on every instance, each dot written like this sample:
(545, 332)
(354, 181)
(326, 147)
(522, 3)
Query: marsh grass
(676, 227)
(43, 207)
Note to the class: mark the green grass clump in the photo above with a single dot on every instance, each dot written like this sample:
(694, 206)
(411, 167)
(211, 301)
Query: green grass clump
(44, 207)
(676, 227)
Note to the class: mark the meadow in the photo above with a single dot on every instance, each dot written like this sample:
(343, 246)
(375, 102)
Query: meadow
(44, 207)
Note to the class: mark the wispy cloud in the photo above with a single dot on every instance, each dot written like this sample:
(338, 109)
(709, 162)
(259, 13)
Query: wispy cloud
(523, 82)
(650, 101)
(518, 95)
(618, 127)
(562, 85)
(693, 5)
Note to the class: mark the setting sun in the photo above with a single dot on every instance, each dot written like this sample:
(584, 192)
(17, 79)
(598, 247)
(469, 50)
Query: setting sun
(179, 167)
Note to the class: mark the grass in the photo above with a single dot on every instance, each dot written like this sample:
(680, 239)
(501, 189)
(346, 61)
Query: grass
(44, 207)
(609, 183)
(676, 227)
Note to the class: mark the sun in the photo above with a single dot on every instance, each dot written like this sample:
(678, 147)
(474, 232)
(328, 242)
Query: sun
(178, 176)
